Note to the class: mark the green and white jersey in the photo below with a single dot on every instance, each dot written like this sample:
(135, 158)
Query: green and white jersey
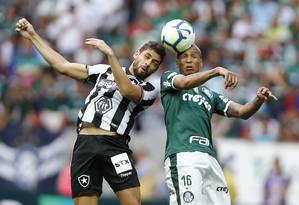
(188, 116)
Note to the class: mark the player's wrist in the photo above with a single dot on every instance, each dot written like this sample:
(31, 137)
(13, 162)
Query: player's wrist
(220, 71)
(33, 36)
(110, 53)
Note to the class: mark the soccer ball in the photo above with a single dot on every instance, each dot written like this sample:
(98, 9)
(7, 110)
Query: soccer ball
(177, 35)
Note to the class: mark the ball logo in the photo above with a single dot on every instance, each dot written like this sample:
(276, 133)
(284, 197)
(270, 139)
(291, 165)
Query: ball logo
(84, 180)
(188, 196)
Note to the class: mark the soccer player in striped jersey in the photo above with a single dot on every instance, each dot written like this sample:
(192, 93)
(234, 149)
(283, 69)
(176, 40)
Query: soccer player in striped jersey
(104, 123)
(193, 174)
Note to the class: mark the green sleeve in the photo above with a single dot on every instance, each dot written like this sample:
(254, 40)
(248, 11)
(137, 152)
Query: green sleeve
(221, 104)
(166, 82)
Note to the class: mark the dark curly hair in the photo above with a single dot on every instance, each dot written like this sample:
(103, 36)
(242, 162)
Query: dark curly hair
(155, 46)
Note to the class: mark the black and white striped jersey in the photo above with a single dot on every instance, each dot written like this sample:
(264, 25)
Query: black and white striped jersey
(106, 108)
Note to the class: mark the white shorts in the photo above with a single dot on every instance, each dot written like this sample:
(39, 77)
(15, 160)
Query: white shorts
(195, 178)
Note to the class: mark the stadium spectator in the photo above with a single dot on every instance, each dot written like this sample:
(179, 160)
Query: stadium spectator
(276, 185)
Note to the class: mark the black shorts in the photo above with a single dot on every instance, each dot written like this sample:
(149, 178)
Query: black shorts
(98, 157)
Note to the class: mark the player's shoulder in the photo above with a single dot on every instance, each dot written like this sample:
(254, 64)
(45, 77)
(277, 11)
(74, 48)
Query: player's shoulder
(100, 66)
(148, 86)
(169, 74)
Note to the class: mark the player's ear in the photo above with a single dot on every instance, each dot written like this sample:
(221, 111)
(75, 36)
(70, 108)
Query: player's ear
(136, 54)
(177, 62)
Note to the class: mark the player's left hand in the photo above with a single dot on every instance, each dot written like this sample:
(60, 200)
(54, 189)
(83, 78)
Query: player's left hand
(265, 94)
(100, 44)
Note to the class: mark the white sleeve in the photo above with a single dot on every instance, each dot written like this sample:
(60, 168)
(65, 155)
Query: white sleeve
(97, 69)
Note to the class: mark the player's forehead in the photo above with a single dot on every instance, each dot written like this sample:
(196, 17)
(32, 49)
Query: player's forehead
(151, 53)
(194, 49)
(191, 51)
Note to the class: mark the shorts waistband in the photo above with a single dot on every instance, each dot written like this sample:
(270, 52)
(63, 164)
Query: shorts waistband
(90, 129)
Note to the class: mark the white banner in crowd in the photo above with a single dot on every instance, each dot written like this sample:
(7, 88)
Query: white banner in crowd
(251, 163)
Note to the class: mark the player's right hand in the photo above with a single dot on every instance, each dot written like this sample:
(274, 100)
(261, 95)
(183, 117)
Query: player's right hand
(25, 28)
(100, 44)
(230, 78)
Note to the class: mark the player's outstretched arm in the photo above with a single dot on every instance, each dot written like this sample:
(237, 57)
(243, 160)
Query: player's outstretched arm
(56, 61)
(126, 88)
(196, 79)
(246, 111)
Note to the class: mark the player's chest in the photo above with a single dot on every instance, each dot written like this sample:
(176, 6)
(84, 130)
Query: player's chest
(196, 99)
(109, 84)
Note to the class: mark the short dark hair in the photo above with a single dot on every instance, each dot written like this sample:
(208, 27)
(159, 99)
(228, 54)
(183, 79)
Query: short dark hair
(155, 46)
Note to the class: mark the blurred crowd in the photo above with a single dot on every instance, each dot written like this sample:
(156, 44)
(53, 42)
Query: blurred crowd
(257, 39)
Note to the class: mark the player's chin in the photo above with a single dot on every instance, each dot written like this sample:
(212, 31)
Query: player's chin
(188, 71)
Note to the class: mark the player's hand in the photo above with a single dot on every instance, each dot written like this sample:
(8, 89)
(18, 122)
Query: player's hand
(265, 94)
(25, 28)
(230, 78)
(100, 44)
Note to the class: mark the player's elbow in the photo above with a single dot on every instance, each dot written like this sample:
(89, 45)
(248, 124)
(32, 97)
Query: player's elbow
(244, 115)
(181, 83)
(60, 68)
(133, 93)
(126, 91)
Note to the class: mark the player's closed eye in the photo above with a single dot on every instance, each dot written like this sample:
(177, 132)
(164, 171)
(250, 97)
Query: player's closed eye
(147, 56)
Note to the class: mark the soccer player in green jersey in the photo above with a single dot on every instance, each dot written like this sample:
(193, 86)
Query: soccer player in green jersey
(193, 175)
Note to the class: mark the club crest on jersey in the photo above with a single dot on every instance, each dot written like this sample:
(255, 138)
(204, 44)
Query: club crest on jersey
(207, 92)
(103, 105)
(188, 196)
(84, 180)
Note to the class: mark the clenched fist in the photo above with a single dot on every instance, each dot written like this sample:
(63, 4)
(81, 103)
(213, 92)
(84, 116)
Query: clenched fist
(25, 28)
(265, 94)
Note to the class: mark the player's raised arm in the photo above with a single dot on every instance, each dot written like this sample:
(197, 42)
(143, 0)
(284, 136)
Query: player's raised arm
(196, 79)
(190, 63)
(246, 111)
(56, 61)
(126, 88)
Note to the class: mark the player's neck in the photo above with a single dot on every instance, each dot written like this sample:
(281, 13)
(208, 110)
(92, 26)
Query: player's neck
(131, 70)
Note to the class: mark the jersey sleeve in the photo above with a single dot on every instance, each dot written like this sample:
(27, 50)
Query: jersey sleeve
(221, 104)
(94, 71)
(149, 94)
(167, 79)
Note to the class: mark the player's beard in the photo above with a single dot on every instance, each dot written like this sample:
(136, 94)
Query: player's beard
(138, 71)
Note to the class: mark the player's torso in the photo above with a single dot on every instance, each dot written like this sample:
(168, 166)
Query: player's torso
(187, 117)
(106, 108)
(106, 94)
